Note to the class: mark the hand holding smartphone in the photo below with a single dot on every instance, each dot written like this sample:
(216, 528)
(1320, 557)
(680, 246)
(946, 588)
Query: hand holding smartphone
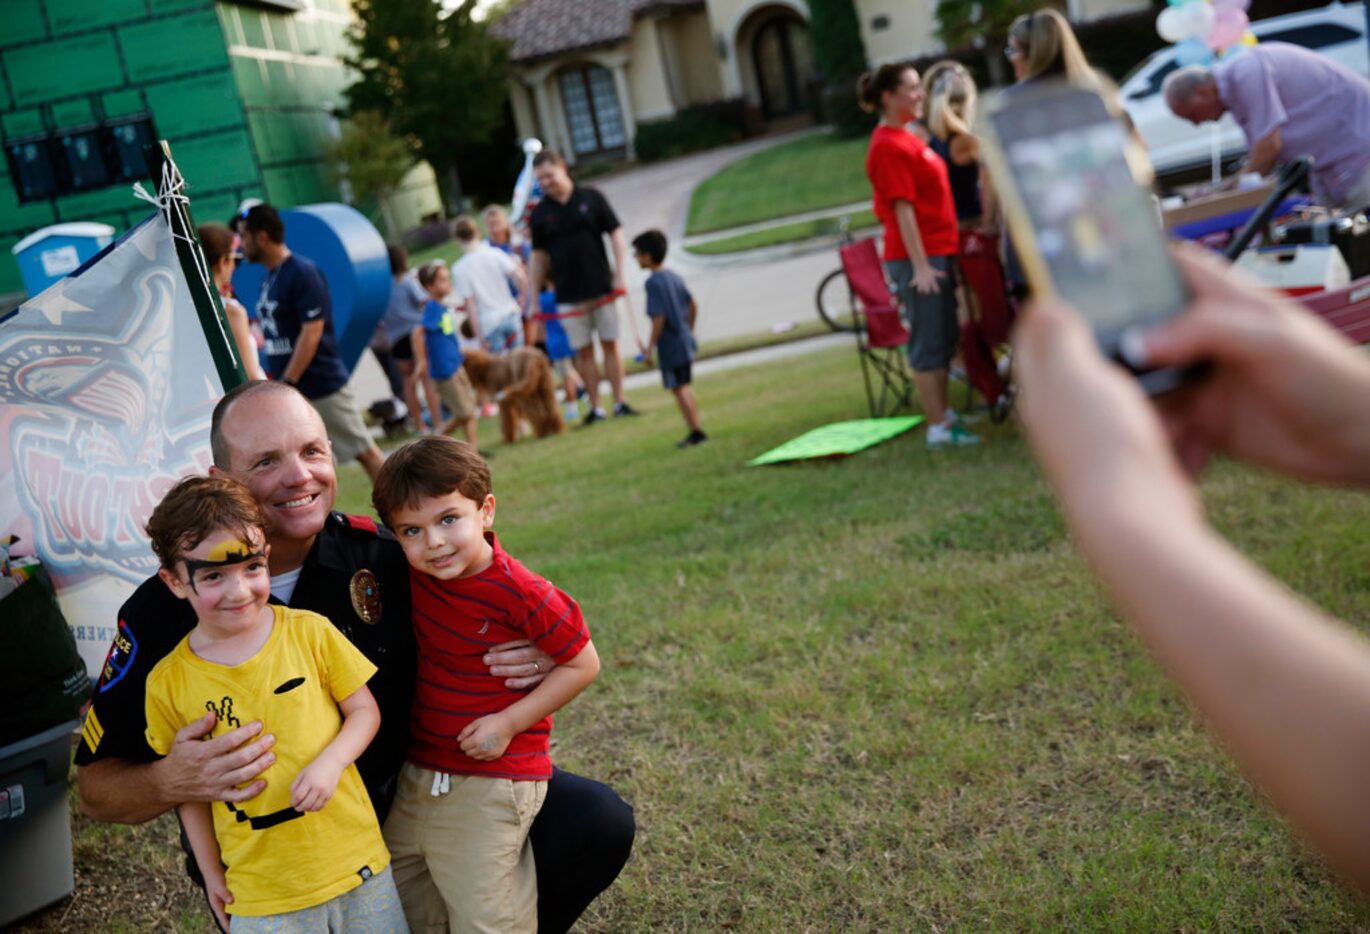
(1071, 183)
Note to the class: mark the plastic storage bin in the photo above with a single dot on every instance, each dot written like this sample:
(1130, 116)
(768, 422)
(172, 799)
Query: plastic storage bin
(35, 823)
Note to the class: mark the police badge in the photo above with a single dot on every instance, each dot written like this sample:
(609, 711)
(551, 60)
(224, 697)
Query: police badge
(366, 596)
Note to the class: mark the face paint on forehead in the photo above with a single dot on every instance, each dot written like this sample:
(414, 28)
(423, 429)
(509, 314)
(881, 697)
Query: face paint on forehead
(229, 551)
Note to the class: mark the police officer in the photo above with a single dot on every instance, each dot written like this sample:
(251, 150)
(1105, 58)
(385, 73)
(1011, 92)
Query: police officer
(266, 435)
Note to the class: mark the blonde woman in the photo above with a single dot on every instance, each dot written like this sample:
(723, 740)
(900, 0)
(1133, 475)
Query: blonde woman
(1042, 45)
(951, 113)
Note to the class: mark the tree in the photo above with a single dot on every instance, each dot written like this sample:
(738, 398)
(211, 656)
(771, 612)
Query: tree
(440, 77)
(372, 160)
(840, 54)
(840, 57)
(983, 24)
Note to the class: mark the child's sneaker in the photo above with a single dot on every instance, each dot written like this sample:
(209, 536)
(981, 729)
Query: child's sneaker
(692, 439)
(490, 410)
(623, 408)
(595, 415)
(572, 412)
(950, 435)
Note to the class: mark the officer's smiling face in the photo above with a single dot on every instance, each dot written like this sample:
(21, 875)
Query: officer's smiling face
(278, 447)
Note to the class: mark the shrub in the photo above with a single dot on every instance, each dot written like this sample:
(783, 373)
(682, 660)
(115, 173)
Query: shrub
(701, 127)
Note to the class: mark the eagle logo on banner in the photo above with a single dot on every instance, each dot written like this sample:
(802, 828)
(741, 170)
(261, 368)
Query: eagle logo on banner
(104, 402)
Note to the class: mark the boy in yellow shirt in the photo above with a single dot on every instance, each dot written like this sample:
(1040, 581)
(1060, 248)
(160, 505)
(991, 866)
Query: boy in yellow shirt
(309, 846)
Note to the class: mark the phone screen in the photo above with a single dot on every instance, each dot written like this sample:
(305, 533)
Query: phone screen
(1095, 228)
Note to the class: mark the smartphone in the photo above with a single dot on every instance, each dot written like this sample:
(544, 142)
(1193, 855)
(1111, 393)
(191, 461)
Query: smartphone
(1071, 181)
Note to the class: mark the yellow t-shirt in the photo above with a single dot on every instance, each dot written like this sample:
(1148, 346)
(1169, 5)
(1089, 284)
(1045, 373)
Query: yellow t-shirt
(278, 859)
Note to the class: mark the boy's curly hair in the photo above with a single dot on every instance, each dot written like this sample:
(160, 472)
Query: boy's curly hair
(195, 509)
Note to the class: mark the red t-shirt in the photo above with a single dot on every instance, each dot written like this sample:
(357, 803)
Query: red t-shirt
(455, 623)
(902, 167)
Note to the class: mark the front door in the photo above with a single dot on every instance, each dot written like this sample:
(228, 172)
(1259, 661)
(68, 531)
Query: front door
(783, 57)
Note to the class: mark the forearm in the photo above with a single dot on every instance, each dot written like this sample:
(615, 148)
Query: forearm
(537, 274)
(521, 284)
(122, 792)
(1286, 687)
(694, 311)
(658, 325)
(562, 684)
(360, 723)
(619, 244)
(199, 827)
(306, 345)
(908, 231)
(1263, 155)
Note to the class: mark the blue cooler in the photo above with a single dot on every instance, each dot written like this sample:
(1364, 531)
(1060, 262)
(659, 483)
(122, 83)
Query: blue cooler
(48, 255)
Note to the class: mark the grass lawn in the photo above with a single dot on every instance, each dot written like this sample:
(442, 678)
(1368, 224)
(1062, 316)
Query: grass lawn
(785, 233)
(807, 174)
(881, 693)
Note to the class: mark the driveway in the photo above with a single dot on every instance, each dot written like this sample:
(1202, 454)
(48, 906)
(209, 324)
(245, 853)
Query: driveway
(734, 298)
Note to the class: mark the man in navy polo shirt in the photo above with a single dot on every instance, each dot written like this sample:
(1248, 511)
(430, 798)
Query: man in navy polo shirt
(301, 347)
(568, 228)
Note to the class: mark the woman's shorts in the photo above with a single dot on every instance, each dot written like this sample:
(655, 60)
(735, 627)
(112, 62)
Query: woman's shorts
(931, 319)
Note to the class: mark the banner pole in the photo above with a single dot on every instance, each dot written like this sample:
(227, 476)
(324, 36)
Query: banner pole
(176, 208)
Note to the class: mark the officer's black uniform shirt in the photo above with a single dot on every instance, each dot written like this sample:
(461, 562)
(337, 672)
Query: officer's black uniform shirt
(356, 575)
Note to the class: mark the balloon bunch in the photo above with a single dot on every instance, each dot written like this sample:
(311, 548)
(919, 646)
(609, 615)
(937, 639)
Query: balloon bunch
(1204, 29)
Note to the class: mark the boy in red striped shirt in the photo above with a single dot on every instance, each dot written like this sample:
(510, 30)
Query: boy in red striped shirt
(478, 760)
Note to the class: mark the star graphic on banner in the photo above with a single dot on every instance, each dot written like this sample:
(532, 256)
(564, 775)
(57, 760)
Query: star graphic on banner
(53, 304)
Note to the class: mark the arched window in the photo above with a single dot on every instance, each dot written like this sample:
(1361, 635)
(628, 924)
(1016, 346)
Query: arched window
(592, 111)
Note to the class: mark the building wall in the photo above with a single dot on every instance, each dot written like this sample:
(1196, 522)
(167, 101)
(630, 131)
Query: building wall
(648, 90)
(1085, 10)
(895, 29)
(289, 72)
(73, 63)
(696, 49)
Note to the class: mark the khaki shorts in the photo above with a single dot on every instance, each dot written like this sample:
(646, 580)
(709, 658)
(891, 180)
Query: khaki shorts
(458, 395)
(347, 432)
(581, 328)
(462, 859)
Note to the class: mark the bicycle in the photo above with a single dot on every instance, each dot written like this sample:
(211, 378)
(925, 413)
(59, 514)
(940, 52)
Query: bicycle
(834, 299)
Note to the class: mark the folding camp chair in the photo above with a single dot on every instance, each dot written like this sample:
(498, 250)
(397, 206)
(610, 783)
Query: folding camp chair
(990, 318)
(881, 337)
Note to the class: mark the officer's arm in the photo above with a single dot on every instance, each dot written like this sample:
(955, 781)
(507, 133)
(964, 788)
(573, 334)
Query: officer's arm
(195, 769)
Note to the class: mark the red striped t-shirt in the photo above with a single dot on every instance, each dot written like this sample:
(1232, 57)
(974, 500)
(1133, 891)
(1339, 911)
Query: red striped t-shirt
(456, 622)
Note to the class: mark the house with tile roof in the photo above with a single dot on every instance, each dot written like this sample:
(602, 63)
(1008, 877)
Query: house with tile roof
(586, 73)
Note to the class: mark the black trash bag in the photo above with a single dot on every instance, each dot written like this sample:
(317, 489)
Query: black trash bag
(43, 682)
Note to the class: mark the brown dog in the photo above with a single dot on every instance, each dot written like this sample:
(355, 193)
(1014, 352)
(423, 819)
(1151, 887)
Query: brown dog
(525, 377)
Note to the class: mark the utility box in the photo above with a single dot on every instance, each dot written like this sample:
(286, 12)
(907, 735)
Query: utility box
(35, 823)
(47, 255)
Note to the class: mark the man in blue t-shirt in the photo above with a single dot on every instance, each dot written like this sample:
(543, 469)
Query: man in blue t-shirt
(301, 348)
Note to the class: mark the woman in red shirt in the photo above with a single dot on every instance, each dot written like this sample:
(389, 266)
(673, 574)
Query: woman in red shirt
(913, 201)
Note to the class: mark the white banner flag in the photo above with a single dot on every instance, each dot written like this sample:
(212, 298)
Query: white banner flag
(107, 383)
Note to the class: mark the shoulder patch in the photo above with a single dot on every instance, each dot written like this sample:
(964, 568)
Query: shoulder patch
(360, 523)
(119, 660)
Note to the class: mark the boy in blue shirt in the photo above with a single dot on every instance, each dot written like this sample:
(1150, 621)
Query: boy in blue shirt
(435, 342)
(672, 310)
